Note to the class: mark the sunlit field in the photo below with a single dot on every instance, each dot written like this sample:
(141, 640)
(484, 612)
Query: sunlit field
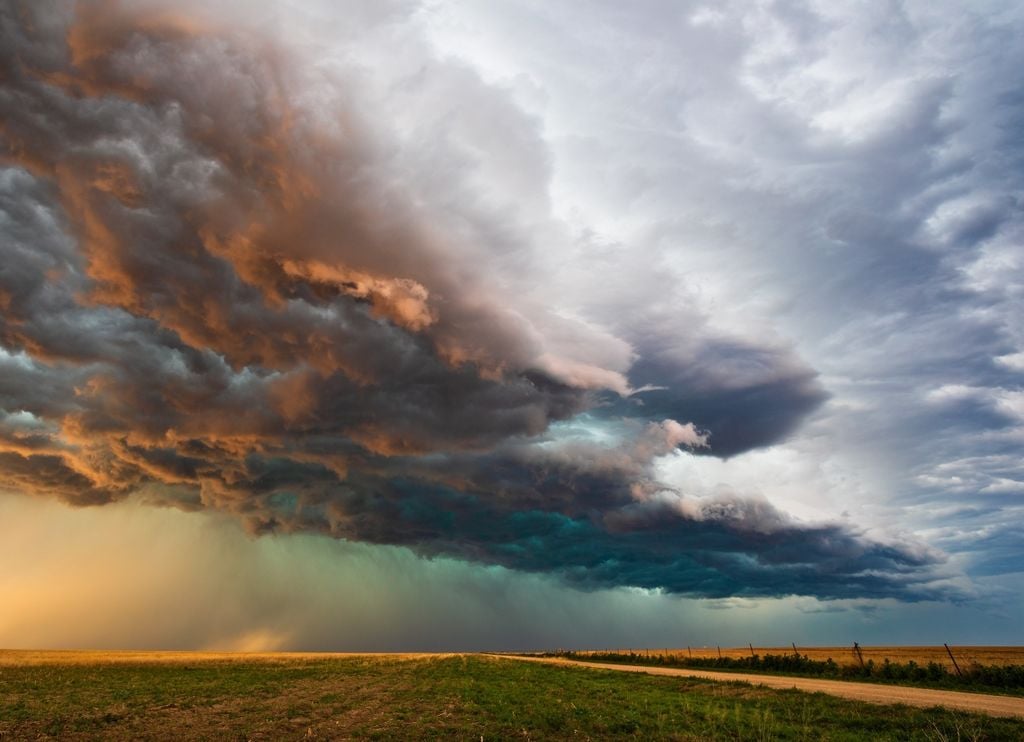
(844, 655)
(34, 658)
(167, 695)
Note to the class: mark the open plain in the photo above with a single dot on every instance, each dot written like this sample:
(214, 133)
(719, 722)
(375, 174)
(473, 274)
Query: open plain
(189, 695)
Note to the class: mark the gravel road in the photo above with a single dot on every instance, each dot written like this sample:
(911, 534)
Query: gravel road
(869, 692)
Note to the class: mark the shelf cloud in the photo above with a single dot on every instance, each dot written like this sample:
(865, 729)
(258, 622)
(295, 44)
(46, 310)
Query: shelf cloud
(243, 269)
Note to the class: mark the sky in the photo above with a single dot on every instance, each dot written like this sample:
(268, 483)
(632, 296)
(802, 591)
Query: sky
(494, 324)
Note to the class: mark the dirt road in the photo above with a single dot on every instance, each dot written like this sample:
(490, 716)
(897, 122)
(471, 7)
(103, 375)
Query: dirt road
(869, 692)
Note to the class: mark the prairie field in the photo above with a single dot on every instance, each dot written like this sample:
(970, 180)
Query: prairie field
(965, 655)
(33, 657)
(171, 695)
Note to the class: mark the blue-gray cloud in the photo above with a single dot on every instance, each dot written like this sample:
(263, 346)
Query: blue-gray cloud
(845, 181)
(238, 278)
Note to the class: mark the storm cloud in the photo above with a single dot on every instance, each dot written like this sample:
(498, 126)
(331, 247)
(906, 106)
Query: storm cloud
(248, 268)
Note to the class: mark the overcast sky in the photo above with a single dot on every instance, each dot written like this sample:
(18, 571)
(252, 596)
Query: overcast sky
(507, 324)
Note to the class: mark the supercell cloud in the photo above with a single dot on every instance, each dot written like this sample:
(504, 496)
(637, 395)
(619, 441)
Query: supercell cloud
(251, 263)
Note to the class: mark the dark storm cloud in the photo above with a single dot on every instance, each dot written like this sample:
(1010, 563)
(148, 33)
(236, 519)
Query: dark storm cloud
(224, 286)
(752, 412)
(588, 527)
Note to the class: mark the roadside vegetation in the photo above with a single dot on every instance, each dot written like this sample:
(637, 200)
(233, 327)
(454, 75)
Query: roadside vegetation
(444, 697)
(1004, 679)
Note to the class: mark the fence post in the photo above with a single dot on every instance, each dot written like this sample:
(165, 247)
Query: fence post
(950, 653)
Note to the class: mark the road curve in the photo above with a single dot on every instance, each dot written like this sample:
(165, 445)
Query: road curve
(870, 692)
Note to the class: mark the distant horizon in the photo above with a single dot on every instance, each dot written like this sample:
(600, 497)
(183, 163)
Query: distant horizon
(737, 647)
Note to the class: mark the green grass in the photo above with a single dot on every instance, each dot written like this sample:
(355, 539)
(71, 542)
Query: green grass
(1005, 680)
(437, 698)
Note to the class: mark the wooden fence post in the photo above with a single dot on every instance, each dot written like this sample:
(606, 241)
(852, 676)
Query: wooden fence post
(950, 653)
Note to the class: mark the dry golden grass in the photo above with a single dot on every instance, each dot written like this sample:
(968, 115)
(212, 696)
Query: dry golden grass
(30, 657)
(965, 655)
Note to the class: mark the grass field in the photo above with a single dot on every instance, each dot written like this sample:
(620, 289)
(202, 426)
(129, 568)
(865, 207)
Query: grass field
(845, 655)
(120, 696)
(907, 666)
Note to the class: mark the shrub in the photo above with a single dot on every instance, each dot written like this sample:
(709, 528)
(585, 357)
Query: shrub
(1006, 677)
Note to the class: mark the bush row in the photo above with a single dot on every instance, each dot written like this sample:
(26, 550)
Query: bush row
(990, 676)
